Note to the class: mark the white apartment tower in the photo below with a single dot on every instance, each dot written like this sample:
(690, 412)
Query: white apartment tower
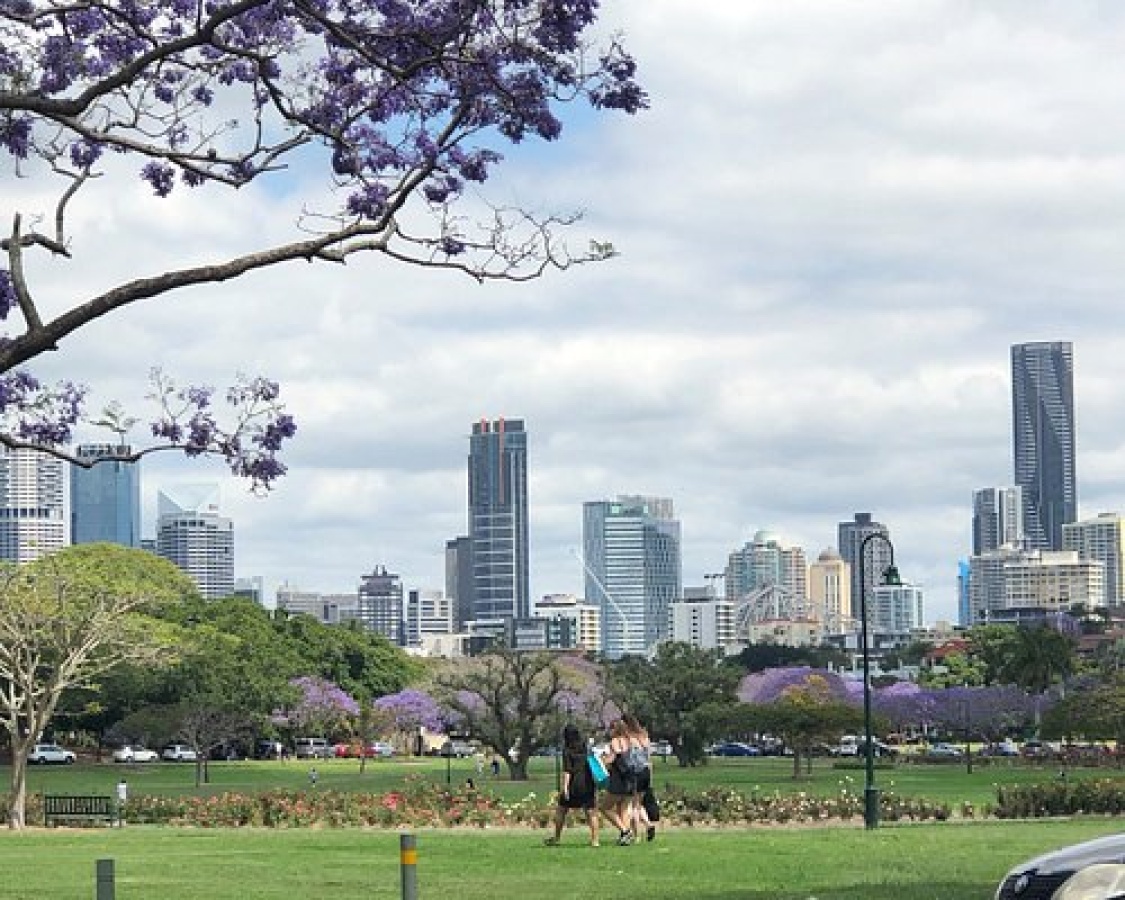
(191, 533)
(33, 518)
(1100, 539)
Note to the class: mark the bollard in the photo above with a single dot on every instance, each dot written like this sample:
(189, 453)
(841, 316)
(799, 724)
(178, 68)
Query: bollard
(408, 862)
(105, 889)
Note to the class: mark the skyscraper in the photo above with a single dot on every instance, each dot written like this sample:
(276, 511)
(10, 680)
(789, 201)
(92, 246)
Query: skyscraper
(1043, 439)
(33, 519)
(997, 519)
(498, 519)
(381, 605)
(191, 533)
(631, 554)
(105, 499)
(851, 536)
(1102, 539)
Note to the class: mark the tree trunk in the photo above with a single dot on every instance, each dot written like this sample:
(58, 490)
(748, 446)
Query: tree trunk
(517, 769)
(17, 794)
(796, 763)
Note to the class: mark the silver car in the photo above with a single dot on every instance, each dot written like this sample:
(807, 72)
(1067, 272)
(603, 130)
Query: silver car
(1093, 870)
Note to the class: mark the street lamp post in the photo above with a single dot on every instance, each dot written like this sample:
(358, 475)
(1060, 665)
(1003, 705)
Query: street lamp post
(888, 576)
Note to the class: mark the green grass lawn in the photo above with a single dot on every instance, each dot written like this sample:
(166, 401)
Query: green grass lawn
(921, 862)
(949, 783)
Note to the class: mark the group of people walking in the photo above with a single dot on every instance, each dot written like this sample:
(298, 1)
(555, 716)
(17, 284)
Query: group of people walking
(631, 806)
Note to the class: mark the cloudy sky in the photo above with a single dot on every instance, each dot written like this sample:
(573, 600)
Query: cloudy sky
(833, 222)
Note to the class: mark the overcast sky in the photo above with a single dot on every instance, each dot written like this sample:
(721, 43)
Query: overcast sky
(833, 223)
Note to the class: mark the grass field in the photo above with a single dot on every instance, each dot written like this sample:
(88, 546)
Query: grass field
(920, 862)
(949, 783)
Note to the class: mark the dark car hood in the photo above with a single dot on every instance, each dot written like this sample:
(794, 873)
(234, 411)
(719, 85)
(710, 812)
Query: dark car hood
(1101, 850)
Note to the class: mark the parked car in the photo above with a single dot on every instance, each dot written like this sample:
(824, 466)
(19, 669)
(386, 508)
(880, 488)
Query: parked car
(1037, 749)
(48, 754)
(661, 748)
(134, 753)
(1092, 870)
(267, 748)
(944, 751)
(459, 749)
(179, 753)
(313, 748)
(380, 748)
(1005, 747)
(734, 748)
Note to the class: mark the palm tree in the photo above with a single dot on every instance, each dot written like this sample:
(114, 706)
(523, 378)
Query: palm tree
(1038, 657)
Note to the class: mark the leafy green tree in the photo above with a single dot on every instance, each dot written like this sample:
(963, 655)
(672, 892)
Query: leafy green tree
(991, 646)
(511, 701)
(67, 619)
(1097, 713)
(759, 657)
(681, 695)
(1038, 658)
(804, 716)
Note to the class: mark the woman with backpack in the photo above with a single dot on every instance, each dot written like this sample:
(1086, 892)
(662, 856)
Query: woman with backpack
(578, 789)
(646, 811)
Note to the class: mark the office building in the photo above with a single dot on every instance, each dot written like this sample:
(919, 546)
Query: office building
(877, 558)
(830, 591)
(997, 519)
(105, 499)
(585, 619)
(427, 613)
(191, 534)
(459, 578)
(251, 588)
(631, 557)
(382, 606)
(1100, 539)
(498, 524)
(1004, 582)
(1043, 439)
(328, 609)
(33, 520)
(704, 621)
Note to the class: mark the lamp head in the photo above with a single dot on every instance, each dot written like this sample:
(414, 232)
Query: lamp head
(891, 577)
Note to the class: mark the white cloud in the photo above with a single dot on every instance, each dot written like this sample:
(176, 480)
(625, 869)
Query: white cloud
(833, 222)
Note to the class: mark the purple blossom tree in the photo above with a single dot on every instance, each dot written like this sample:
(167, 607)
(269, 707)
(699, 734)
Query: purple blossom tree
(401, 108)
(410, 710)
(771, 685)
(322, 707)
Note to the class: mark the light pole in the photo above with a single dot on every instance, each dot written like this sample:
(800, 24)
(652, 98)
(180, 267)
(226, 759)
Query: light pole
(889, 576)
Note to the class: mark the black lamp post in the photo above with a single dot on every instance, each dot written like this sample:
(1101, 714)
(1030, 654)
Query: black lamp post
(889, 576)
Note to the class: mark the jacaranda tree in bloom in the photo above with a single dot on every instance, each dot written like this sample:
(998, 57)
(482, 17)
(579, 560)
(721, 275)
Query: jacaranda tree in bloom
(401, 102)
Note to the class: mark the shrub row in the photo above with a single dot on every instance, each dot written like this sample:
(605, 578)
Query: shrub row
(1100, 796)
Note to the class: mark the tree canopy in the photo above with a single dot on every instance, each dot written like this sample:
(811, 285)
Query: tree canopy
(400, 108)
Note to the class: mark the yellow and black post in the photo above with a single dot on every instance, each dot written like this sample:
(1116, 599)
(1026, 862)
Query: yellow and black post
(408, 862)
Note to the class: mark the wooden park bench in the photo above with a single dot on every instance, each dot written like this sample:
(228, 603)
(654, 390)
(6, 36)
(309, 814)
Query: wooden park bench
(80, 809)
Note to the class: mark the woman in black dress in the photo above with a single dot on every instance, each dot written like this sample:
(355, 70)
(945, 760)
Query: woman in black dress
(578, 790)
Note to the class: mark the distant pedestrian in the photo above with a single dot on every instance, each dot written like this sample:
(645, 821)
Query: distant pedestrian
(495, 767)
(578, 789)
(312, 776)
(478, 758)
(646, 811)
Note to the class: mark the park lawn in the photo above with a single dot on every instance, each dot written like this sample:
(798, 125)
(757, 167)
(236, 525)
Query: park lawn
(950, 861)
(946, 783)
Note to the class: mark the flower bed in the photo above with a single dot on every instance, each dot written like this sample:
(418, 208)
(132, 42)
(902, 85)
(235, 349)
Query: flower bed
(1061, 797)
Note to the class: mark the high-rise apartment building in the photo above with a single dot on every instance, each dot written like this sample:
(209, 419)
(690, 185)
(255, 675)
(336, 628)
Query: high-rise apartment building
(765, 561)
(585, 618)
(631, 554)
(427, 613)
(1100, 539)
(877, 557)
(1043, 439)
(381, 606)
(105, 499)
(191, 533)
(997, 519)
(896, 609)
(33, 521)
(498, 524)
(830, 592)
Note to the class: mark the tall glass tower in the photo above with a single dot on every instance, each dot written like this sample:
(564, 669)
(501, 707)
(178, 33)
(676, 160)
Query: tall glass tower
(498, 519)
(1043, 439)
(33, 520)
(632, 557)
(105, 499)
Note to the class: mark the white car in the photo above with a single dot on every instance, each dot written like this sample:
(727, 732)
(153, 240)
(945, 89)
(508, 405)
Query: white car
(135, 754)
(42, 754)
(179, 753)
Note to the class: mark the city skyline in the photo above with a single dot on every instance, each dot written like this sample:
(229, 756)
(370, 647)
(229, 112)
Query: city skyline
(828, 239)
